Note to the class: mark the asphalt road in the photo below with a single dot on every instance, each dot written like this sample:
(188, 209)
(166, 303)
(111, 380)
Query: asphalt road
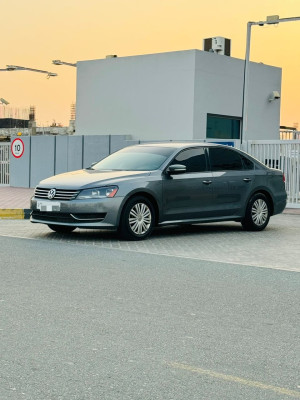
(81, 322)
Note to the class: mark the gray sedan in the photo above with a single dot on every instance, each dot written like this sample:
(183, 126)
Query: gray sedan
(140, 187)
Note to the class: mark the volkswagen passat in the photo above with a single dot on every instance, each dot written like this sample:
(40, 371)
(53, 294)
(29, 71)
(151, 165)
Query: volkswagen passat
(140, 187)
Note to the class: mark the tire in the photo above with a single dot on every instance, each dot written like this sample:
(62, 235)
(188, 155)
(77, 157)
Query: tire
(62, 228)
(257, 213)
(137, 219)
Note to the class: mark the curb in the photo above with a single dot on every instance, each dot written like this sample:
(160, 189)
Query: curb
(292, 211)
(15, 213)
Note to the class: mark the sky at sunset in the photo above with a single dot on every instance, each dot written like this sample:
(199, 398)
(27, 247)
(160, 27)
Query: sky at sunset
(34, 32)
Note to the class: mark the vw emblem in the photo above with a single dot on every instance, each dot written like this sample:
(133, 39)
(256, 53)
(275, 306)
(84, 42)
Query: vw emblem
(51, 194)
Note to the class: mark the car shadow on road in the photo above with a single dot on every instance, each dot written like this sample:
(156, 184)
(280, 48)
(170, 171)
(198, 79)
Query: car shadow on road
(167, 232)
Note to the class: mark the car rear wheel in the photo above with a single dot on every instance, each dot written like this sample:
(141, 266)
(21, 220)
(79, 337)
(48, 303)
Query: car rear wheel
(137, 219)
(257, 213)
(62, 228)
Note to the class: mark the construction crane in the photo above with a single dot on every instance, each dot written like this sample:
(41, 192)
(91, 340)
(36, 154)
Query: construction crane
(18, 68)
(59, 62)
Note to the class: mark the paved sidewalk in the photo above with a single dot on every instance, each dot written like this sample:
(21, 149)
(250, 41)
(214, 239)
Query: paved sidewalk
(15, 203)
(277, 247)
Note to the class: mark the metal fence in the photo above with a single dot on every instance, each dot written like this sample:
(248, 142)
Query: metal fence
(4, 163)
(284, 155)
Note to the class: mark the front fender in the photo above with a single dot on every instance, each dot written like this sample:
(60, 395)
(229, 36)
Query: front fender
(154, 195)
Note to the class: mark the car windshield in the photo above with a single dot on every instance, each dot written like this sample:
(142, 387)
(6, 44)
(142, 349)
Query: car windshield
(135, 159)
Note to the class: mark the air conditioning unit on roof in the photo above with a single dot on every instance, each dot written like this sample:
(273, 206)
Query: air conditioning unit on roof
(217, 44)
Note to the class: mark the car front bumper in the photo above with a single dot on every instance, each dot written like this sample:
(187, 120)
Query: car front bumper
(89, 213)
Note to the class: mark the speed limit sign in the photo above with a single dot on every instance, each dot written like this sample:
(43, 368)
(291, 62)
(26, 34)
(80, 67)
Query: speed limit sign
(17, 148)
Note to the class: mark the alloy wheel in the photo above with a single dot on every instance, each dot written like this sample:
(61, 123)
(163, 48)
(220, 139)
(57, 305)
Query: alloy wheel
(140, 218)
(259, 212)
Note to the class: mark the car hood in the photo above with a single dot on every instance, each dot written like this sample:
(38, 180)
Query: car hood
(86, 178)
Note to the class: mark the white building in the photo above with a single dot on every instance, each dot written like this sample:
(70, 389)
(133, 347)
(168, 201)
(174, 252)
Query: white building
(184, 95)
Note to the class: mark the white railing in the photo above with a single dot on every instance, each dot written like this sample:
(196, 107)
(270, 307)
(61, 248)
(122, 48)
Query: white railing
(284, 155)
(4, 163)
(289, 135)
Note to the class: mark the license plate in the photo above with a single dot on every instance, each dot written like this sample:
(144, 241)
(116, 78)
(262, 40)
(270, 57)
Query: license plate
(48, 205)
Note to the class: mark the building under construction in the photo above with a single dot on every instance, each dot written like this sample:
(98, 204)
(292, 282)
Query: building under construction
(11, 117)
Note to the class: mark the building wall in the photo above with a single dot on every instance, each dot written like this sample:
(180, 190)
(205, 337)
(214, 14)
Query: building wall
(148, 97)
(168, 95)
(218, 88)
(263, 115)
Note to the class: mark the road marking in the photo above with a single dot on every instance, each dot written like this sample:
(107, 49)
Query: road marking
(70, 242)
(235, 379)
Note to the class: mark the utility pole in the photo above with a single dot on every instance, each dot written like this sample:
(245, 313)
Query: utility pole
(271, 20)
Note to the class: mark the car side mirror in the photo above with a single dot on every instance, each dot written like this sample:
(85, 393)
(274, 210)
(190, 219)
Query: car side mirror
(176, 169)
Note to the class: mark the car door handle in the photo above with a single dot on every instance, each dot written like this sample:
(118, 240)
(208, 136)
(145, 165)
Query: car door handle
(247, 180)
(207, 182)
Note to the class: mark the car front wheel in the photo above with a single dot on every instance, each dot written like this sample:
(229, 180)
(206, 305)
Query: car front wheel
(257, 213)
(137, 219)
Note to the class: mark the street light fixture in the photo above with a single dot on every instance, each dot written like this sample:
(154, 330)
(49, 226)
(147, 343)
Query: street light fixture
(59, 62)
(18, 68)
(271, 20)
(3, 101)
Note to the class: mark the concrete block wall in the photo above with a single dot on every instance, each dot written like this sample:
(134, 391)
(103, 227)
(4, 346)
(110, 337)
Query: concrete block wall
(45, 156)
(75, 153)
(61, 154)
(19, 168)
(42, 157)
(95, 148)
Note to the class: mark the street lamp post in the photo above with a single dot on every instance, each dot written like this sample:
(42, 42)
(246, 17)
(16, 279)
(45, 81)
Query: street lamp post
(271, 20)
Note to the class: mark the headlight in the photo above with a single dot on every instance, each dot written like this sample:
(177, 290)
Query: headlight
(98, 193)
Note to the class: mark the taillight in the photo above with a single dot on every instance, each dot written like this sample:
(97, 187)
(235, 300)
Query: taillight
(283, 177)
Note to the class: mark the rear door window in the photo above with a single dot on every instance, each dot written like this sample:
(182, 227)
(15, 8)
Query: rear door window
(248, 164)
(222, 159)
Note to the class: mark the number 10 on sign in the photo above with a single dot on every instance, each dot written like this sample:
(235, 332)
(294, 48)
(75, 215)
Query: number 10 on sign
(17, 148)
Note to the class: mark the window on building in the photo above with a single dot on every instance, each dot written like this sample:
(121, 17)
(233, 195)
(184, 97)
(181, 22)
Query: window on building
(223, 127)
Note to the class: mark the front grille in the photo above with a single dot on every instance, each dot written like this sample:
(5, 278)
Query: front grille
(50, 216)
(61, 194)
